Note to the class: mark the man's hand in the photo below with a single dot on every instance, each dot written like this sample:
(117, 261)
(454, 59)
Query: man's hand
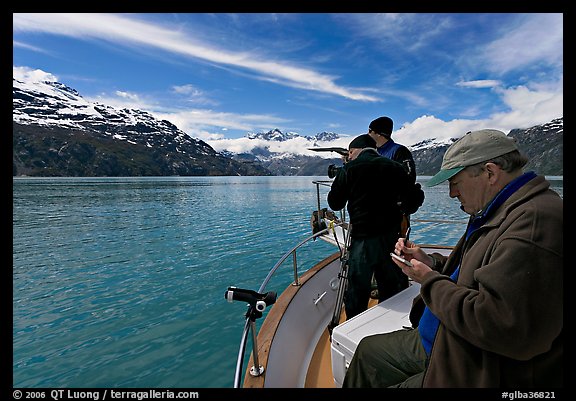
(421, 262)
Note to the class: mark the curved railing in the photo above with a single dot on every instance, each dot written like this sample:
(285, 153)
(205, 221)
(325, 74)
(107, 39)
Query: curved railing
(249, 326)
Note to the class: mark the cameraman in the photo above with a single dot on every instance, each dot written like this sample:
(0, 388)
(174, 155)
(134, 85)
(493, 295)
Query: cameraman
(375, 218)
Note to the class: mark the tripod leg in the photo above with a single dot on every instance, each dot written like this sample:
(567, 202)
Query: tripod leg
(342, 285)
(339, 297)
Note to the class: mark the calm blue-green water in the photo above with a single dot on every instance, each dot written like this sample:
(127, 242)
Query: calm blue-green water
(119, 282)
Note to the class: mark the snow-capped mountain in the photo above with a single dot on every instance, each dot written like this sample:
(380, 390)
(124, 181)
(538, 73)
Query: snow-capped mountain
(53, 104)
(57, 132)
(273, 135)
(279, 136)
(543, 144)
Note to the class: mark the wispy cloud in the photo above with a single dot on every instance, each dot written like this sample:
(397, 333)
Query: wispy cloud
(484, 83)
(197, 122)
(405, 32)
(193, 95)
(202, 123)
(525, 45)
(22, 45)
(438, 75)
(124, 100)
(129, 31)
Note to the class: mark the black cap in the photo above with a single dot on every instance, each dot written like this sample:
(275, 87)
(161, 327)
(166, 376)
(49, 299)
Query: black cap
(362, 141)
(382, 126)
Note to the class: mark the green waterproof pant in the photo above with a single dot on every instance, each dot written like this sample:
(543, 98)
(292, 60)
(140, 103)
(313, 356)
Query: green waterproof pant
(395, 359)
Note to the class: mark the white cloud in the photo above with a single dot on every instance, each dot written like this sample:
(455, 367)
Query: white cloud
(32, 75)
(297, 146)
(525, 45)
(527, 107)
(133, 32)
(193, 95)
(124, 100)
(202, 123)
(521, 46)
(427, 127)
(132, 97)
(26, 46)
(483, 83)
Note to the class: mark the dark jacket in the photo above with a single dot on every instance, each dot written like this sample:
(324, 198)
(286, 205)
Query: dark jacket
(401, 154)
(501, 324)
(372, 185)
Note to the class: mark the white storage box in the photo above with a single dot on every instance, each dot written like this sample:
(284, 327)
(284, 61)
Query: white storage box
(387, 316)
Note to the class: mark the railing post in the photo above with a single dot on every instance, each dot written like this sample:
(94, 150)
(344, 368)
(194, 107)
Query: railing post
(257, 369)
(318, 198)
(295, 265)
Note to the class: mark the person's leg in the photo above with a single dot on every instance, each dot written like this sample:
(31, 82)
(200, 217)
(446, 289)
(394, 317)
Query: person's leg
(412, 382)
(395, 359)
(389, 277)
(390, 280)
(359, 279)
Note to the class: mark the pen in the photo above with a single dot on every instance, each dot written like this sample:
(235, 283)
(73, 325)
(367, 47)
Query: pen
(406, 237)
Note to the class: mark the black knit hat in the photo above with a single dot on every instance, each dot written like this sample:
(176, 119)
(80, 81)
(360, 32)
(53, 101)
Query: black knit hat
(362, 141)
(382, 126)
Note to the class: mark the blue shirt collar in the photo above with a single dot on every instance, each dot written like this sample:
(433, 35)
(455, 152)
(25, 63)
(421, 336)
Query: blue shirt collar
(387, 145)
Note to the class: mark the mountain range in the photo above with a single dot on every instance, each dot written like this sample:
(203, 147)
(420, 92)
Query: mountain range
(56, 132)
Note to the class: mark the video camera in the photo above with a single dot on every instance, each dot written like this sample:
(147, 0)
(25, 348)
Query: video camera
(333, 170)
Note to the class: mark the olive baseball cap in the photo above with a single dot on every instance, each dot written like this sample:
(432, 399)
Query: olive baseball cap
(474, 147)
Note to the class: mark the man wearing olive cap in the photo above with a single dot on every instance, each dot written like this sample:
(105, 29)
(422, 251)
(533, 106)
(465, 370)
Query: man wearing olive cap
(490, 314)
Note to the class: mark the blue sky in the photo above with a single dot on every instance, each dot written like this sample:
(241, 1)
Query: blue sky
(220, 76)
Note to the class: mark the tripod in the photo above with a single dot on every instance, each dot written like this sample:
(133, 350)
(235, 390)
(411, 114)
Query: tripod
(343, 282)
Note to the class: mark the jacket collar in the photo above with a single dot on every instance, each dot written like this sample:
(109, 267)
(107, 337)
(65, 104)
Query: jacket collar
(505, 193)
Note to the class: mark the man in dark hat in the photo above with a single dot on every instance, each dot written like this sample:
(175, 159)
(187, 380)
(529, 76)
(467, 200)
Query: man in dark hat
(380, 130)
(375, 218)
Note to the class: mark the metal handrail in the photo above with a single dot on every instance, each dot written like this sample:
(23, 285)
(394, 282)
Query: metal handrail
(326, 183)
(248, 324)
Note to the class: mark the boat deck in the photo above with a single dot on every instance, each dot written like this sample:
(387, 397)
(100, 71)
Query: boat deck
(306, 354)
(320, 371)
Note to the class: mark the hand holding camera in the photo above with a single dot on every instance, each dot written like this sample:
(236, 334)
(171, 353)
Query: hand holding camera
(333, 170)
